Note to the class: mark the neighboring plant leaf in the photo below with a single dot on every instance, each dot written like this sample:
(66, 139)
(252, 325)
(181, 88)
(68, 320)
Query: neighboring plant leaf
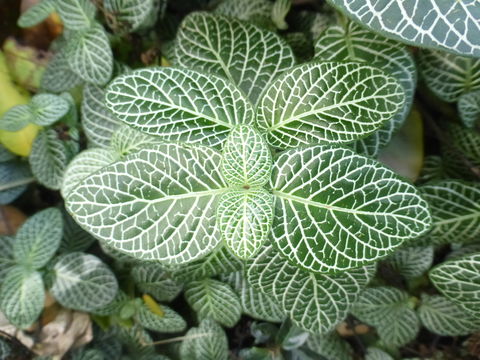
(58, 68)
(36, 13)
(170, 322)
(48, 108)
(329, 102)
(22, 296)
(446, 318)
(38, 238)
(256, 11)
(6, 254)
(246, 158)
(98, 121)
(185, 180)
(411, 262)
(352, 42)
(82, 282)
(5, 155)
(14, 178)
(207, 341)
(76, 14)
(74, 237)
(449, 76)
(330, 346)
(469, 108)
(130, 15)
(459, 280)
(89, 55)
(50, 156)
(455, 209)
(247, 55)
(336, 210)
(215, 300)
(314, 302)
(220, 261)
(153, 280)
(421, 23)
(16, 118)
(245, 219)
(178, 104)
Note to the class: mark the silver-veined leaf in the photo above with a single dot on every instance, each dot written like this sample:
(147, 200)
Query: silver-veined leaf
(212, 299)
(76, 14)
(279, 12)
(218, 262)
(130, 15)
(48, 108)
(314, 302)
(36, 13)
(126, 140)
(207, 341)
(412, 261)
(455, 209)
(50, 156)
(83, 282)
(86, 354)
(459, 280)
(374, 353)
(5, 155)
(352, 42)
(89, 55)
(336, 210)
(84, 164)
(245, 219)
(14, 178)
(256, 11)
(169, 322)
(331, 346)
(446, 318)
(155, 281)
(246, 158)
(179, 104)
(447, 75)
(74, 237)
(38, 238)
(329, 102)
(58, 68)
(254, 303)
(16, 117)
(5, 349)
(247, 55)
(22, 296)
(449, 25)
(469, 108)
(432, 169)
(7, 260)
(98, 121)
(388, 309)
(163, 208)
(463, 250)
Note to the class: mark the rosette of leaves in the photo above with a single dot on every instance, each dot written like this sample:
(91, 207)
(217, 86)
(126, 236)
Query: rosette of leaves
(252, 154)
(76, 280)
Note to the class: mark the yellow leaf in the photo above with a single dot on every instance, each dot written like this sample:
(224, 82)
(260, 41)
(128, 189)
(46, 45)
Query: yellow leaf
(20, 142)
(152, 305)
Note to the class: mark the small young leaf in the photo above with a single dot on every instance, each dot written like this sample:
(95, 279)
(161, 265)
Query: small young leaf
(38, 238)
(82, 282)
(411, 262)
(179, 104)
(153, 280)
(215, 300)
(22, 296)
(446, 318)
(207, 341)
(48, 108)
(167, 184)
(245, 219)
(246, 158)
(36, 14)
(459, 280)
(76, 14)
(170, 322)
(469, 108)
(329, 102)
(14, 178)
(89, 55)
(247, 55)
(338, 210)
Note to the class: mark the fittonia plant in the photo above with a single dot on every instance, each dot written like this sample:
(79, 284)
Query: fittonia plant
(248, 154)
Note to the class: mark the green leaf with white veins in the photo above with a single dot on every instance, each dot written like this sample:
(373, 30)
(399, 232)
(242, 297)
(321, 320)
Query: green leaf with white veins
(469, 108)
(336, 210)
(449, 25)
(449, 76)
(131, 14)
(48, 108)
(155, 281)
(74, 237)
(6, 254)
(446, 318)
(459, 280)
(14, 178)
(22, 296)
(332, 102)
(245, 219)
(455, 209)
(126, 140)
(352, 42)
(247, 55)
(83, 282)
(207, 341)
(58, 68)
(162, 209)
(169, 322)
(314, 302)
(89, 55)
(250, 10)
(411, 262)
(38, 238)
(36, 13)
(16, 118)
(179, 104)
(246, 158)
(215, 300)
(76, 14)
